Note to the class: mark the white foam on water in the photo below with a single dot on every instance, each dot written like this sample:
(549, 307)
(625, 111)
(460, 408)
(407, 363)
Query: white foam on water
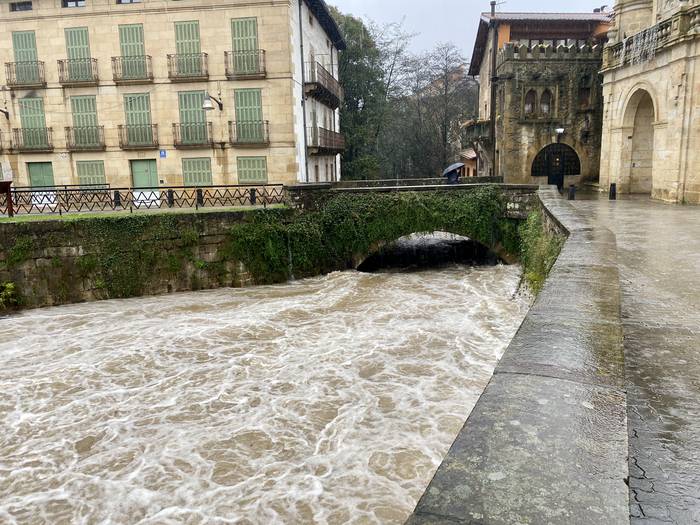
(328, 400)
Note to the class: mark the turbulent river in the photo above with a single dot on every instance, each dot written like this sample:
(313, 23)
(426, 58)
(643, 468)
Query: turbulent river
(329, 400)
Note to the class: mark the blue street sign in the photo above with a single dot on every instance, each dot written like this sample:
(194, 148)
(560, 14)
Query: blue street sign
(163, 154)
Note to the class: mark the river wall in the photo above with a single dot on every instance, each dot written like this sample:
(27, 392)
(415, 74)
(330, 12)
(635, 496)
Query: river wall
(547, 441)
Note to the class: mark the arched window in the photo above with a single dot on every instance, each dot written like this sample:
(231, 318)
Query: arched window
(546, 103)
(530, 102)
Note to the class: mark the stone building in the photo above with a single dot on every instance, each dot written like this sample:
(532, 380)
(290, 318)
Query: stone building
(651, 130)
(148, 93)
(548, 99)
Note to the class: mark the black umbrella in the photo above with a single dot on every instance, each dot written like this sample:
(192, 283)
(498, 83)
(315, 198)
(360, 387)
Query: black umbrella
(452, 168)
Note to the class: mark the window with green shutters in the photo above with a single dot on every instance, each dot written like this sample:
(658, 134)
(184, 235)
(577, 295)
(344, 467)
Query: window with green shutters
(85, 130)
(133, 51)
(197, 172)
(31, 114)
(246, 58)
(188, 48)
(252, 170)
(27, 62)
(249, 116)
(78, 51)
(193, 126)
(41, 175)
(91, 172)
(137, 110)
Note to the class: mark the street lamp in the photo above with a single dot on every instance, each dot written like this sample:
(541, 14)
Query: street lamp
(208, 104)
(560, 133)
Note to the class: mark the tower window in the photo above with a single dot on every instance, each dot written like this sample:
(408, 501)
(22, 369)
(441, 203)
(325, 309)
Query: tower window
(530, 102)
(546, 103)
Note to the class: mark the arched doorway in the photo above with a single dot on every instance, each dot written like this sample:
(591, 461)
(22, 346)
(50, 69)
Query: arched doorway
(555, 162)
(639, 120)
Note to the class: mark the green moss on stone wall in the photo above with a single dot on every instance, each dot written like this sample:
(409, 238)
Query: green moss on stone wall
(539, 251)
(8, 296)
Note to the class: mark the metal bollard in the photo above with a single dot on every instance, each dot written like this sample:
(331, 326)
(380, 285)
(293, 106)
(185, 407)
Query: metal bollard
(572, 192)
(253, 197)
(613, 191)
(171, 198)
(200, 198)
(117, 199)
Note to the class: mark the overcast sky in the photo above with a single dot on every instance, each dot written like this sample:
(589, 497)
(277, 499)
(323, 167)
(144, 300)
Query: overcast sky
(450, 20)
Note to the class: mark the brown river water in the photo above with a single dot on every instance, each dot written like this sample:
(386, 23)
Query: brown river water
(329, 400)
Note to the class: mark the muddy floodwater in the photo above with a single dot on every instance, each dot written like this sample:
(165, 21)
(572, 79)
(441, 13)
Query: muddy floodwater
(329, 400)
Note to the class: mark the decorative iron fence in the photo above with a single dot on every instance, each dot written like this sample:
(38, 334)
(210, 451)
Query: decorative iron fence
(188, 67)
(138, 136)
(98, 198)
(132, 70)
(85, 138)
(25, 74)
(192, 135)
(249, 133)
(78, 72)
(242, 65)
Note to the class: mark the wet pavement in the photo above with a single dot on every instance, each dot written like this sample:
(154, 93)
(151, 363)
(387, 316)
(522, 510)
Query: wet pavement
(659, 263)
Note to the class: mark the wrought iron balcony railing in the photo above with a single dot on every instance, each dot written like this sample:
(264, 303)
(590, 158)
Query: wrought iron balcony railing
(249, 133)
(474, 132)
(242, 65)
(78, 72)
(144, 136)
(132, 70)
(194, 135)
(25, 74)
(321, 84)
(188, 67)
(323, 141)
(30, 140)
(85, 138)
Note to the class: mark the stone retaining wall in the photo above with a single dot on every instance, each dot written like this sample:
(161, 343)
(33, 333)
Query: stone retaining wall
(547, 441)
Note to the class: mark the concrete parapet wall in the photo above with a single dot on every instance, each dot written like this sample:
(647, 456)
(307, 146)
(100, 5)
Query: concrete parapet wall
(547, 440)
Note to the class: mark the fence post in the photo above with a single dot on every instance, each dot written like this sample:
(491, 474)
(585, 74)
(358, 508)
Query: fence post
(200, 198)
(171, 198)
(253, 197)
(117, 199)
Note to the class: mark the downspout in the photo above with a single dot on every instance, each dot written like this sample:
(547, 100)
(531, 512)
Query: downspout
(494, 78)
(303, 95)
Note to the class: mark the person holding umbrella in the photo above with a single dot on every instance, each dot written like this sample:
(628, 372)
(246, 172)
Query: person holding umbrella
(453, 173)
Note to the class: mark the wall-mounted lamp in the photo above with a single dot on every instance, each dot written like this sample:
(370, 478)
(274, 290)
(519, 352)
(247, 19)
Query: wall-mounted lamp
(6, 113)
(560, 133)
(208, 104)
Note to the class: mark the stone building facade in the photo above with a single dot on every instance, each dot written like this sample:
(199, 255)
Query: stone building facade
(116, 91)
(651, 131)
(548, 96)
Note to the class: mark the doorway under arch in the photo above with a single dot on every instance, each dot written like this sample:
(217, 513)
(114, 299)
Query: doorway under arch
(639, 119)
(555, 162)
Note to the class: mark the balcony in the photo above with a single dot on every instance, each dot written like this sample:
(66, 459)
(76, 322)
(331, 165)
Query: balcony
(132, 70)
(245, 65)
(249, 133)
(188, 68)
(323, 141)
(192, 136)
(25, 75)
(87, 138)
(78, 72)
(476, 131)
(133, 137)
(32, 140)
(321, 84)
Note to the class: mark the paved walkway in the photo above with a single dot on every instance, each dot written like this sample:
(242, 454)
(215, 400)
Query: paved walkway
(659, 260)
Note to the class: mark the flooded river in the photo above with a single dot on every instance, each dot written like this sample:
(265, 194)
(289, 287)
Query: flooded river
(329, 400)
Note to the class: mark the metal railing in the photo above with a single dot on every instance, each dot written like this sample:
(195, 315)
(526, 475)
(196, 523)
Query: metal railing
(25, 74)
(143, 136)
(475, 131)
(241, 65)
(249, 133)
(78, 72)
(132, 70)
(321, 84)
(326, 141)
(85, 138)
(188, 67)
(30, 140)
(194, 135)
(74, 199)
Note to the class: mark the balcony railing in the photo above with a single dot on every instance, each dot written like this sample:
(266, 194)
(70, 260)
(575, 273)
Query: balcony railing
(143, 136)
(85, 138)
(132, 70)
(475, 131)
(249, 133)
(78, 72)
(321, 84)
(31, 140)
(25, 74)
(188, 67)
(242, 65)
(323, 141)
(196, 135)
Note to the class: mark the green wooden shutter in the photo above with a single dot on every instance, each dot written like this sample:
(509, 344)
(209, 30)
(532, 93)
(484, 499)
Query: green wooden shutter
(193, 126)
(78, 51)
(31, 114)
(27, 66)
(188, 48)
(91, 172)
(40, 174)
(252, 170)
(133, 51)
(244, 32)
(197, 172)
(249, 116)
(137, 108)
(85, 131)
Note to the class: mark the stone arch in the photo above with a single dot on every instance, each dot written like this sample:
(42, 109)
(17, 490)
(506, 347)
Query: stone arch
(637, 153)
(556, 161)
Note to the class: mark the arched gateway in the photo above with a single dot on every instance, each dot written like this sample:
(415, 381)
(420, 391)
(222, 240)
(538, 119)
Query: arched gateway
(638, 144)
(555, 162)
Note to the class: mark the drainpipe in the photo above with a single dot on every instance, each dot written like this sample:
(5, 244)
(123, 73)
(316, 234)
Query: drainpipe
(303, 96)
(494, 77)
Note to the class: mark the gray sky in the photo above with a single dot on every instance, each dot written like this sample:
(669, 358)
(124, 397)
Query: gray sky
(450, 20)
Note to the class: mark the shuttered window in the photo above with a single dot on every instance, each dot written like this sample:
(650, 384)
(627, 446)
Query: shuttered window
(137, 110)
(188, 48)
(85, 131)
(31, 114)
(90, 172)
(193, 126)
(252, 170)
(249, 115)
(78, 51)
(133, 50)
(197, 172)
(244, 32)
(27, 66)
